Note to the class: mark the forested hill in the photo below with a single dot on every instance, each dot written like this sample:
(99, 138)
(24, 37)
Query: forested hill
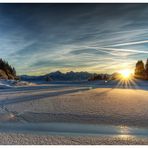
(6, 70)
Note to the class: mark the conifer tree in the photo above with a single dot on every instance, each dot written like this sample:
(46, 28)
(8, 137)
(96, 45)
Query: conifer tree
(146, 67)
(140, 70)
(7, 68)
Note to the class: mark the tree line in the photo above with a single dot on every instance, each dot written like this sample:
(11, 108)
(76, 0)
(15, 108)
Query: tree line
(141, 70)
(6, 70)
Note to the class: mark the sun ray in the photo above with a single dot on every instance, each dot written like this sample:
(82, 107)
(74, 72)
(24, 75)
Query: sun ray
(126, 79)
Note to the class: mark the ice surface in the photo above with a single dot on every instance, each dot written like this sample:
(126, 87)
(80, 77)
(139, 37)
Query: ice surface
(84, 102)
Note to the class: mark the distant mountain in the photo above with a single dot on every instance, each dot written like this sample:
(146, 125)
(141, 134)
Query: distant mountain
(69, 76)
(30, 78)
(59, 76)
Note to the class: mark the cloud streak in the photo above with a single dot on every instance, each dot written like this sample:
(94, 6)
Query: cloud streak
(39, 38)
(130, 43)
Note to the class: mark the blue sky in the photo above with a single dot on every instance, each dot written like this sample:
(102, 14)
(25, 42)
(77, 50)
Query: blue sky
(103, 38)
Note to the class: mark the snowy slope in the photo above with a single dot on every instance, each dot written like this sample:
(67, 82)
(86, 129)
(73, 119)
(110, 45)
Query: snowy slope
(13, 83)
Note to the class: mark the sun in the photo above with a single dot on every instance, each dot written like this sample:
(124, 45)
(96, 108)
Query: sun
(125, 73)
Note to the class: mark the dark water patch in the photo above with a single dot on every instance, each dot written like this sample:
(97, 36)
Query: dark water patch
(71, 129)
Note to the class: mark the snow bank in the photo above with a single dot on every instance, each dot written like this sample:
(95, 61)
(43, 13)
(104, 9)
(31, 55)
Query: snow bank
(12, 83)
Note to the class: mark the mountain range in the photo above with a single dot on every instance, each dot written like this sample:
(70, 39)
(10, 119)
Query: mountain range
(59, 76)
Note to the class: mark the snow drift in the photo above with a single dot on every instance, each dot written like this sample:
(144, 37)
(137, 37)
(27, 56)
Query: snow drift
(13, 83)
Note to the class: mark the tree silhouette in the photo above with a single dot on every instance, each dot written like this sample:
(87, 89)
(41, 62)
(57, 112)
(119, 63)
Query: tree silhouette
(139, 70)
(8, 69)
(146, 68)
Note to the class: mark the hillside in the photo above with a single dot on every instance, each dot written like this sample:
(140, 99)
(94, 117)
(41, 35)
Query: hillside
(6, 70)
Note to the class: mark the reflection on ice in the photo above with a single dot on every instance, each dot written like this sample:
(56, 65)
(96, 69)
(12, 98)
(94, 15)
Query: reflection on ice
(124, 133)
(124, 130)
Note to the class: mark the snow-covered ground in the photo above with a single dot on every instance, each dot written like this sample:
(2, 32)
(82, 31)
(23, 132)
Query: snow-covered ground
(100, 102)
(13, 83)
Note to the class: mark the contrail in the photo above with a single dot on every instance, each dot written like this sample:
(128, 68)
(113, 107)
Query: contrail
(106, 49)
(128, 31)
(130, 43)
(125, 50)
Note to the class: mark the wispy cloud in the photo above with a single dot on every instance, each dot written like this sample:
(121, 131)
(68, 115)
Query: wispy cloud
(39, 38)
(130, 43)
(125, 50)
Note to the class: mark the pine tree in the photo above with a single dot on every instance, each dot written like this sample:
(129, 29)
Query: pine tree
(146, 67)
(140, 70)
(9, 70)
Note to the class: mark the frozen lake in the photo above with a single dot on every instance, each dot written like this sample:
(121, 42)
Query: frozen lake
(73, 129)
(76, 109)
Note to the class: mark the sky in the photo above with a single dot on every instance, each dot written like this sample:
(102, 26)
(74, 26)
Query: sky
(103, 38)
